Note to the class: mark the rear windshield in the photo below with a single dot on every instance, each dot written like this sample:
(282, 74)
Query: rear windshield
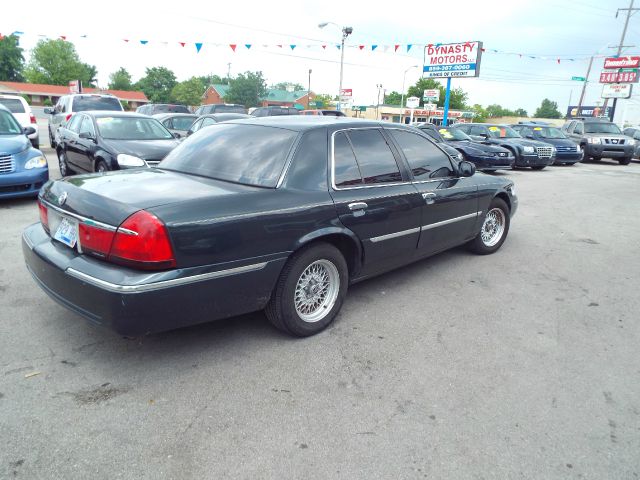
(333, 113)
(170, 109)
(601, 127)
(226, 109)
(246, 154)
(132, 128)
(13, 104)
(95, 102)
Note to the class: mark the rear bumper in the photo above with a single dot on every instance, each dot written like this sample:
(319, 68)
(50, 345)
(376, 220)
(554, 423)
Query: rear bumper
(25, 183)
(135, 303)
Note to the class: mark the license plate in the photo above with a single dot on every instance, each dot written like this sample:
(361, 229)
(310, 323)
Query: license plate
(67, 232)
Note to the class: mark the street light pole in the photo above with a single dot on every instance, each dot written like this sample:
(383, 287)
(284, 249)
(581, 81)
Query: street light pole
(309, 90)
(346, 31)
(404, 77)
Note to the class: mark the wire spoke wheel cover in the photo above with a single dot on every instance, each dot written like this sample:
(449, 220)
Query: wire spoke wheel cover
(493, 227)
(317, 290)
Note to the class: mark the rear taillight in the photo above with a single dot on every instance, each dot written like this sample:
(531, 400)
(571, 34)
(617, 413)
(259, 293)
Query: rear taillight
(68, 117)
(95, 240)
(32, 118)
(142, 241)
(44, 215)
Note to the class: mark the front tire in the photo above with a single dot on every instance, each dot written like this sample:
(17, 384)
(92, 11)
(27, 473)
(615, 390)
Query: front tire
(494, 230)
(310, 291)
(538, 167)
(625, 161)
(63, 164)
(101, 166)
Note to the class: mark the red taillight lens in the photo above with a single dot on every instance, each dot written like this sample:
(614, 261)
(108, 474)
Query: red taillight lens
(68, 117)
(32, 118)
(44, 215)
(95, 240)
(142, 241)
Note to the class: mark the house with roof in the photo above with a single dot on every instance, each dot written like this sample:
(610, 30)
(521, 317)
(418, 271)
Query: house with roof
(215, 94)
(36, 93)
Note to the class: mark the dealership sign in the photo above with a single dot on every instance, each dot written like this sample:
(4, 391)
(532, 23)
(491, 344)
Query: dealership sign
(452, 60)
(616, 90)
(346, 94)
(622, 62)
(625, 75)
(431, 95)
(587, 111)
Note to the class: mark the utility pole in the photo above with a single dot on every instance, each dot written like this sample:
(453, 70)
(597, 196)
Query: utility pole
(629, 11)
(228, 72)
(309, 90)
(584, 86)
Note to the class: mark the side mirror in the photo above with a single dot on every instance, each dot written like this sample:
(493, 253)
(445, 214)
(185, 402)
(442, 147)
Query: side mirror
(48, 110)
(532, 137)
(176, 135)
(466, 169)
(28, 130)
(86, 136)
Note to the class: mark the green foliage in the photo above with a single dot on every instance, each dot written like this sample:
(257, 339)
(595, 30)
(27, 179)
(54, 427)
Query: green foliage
(481, 114)
(212, 79)
(246, 89)
(56, 62)
(547, 109)
(26, 97)
(47, 102)
(120, 80)
(157, 84)
(188, 92)
(125, 105)
(495, 110)
(284, 85)
(521, 112)
(324, 98)
(457, 98)
(393, 98)
(11, 59)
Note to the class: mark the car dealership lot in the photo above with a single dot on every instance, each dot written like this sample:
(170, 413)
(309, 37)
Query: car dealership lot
(521, 364)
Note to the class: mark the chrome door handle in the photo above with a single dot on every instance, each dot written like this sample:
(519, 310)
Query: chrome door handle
(429, 197)
(357, 206)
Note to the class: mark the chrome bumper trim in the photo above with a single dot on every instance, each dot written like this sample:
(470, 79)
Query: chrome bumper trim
(451, 220)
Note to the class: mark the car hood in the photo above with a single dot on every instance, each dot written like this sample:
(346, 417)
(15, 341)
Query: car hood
(12, 144)
(523, 142)
(482, 147)
(111, 197)
(608, 135)
(558, 142)
(145, 149)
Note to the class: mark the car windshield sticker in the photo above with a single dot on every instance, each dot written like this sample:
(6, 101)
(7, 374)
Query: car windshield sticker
(493, 129)
(538, 128)
(445, 133)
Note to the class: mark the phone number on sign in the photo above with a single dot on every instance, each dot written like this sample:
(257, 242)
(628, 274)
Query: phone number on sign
(450, 68)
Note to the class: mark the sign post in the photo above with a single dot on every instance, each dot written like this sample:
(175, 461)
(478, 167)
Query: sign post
(452, 60)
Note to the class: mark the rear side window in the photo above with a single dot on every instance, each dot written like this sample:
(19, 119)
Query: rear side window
(346, 171)
(182, 123)
(375, 159)
(13, 104)
(425, 159)
(81, 104)
(87, 126)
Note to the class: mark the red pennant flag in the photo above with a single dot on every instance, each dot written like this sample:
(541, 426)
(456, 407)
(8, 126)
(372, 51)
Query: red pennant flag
(63, 37)
(182, 44)
(126, 40)
(396, 48)
(233, 46)
(279, 46)
(558, 60)
(483, 49)
(361, 47)
(324, 47)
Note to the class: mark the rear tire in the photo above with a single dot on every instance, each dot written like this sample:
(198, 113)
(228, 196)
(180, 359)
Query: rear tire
(538, 167)
(310, 291)
(494, 230)
(625, 161)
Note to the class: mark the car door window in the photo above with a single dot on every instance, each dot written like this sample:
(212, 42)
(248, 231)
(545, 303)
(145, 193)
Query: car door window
(87, 126)
(425, 159)
(577, 129)
(207, 122)
(431, 133)
(196, 126)
(346, 171)
(74, 123)
(375, 159)
(477, 130)
(464, 128)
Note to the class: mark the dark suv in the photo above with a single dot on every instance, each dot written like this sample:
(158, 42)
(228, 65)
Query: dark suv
(155, 108)
(273, 111)
(220, 108)
(528, 153)
(600, 138)
(568, 152)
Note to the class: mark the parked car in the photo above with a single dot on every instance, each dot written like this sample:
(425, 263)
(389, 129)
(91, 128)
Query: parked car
(78, 102)
(634, 132)
(600, 138)
(568, 152)
(486, 157)
(329, 113)
(527, 153)
(22, 112)
(155, 108)
(23, 169)
(213, 119)
(103, 141)
(280, 214)
(220, 108)
(274, 111)
(177, 123)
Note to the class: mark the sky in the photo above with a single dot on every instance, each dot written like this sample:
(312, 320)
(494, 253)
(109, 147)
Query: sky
(517, 29)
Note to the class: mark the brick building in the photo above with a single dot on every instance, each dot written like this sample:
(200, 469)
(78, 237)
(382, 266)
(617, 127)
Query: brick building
(216, 93)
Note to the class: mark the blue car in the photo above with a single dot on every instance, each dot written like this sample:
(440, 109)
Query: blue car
(568, 152)
(23, 169)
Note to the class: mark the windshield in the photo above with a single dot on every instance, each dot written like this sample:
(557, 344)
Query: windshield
(8, 124)
(601, 127)
(12, 104)
(454, 134)
(548, 132)
(503, 132)
(134, 128)
(247, 154)
(95, 102)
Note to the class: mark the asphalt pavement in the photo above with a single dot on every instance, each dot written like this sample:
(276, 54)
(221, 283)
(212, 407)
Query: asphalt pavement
(519, 365)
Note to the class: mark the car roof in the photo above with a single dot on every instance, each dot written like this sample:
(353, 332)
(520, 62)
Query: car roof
(89, 95)
(225, 116)
(162, 116)
(309, 122)
(533, 124)
(112, 113)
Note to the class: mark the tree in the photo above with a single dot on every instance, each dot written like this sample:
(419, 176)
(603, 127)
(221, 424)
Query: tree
(11, 59)
(56, 62)
(393, 98)
(188, 92)
(457, 98)
(296, 87)
(547, 109)
(480, 113)
(246, 89)
(324, 98)
(521, 112)
(120, 80)
(212, 79)
(157, 84)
